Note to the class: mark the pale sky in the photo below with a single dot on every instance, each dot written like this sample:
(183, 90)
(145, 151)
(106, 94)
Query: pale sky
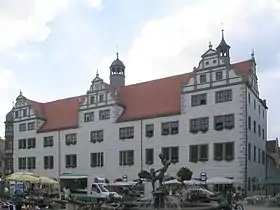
(51, 49)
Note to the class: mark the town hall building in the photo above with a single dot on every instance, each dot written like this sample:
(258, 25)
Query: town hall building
(211, 120)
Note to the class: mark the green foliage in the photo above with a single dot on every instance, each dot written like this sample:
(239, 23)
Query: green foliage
(184, 174)
(144, 174)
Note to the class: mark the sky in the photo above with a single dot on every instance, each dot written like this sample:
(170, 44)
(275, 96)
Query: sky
(51, 49)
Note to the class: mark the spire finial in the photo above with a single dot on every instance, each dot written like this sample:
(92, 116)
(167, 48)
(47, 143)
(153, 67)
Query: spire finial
(20, 93)
(117, 52)
(210, 45)
(253, 53)
(222, 26)
(97, 74)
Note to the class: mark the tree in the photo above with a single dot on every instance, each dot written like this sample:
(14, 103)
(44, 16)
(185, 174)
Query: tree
(184, 174)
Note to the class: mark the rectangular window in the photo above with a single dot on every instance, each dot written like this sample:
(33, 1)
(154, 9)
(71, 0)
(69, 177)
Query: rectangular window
(259, 155)
(16, 115)
(149, 156)
(48, 141)
(22, 163)
(126, 158)
(263, 157)
(31, 143)
(202, 78)
(199, 124)
(92, 100)
(149, 130)
(97, 159)
(24, 112)
(254, 103)
(223, 96)
(48, 162)
(198, 100)
(263, 135)
(198, 153)
(249, 184)
(31, 162)
(224, 151)
(169, 128)
(31, 126)
(71, 161)
(89, 117)
(255, 126)
(249, 123)
(249, 151)
(22, 143)
(259, 131)
(8, 145)
(71, 139)
(96, 136)
(171, 154)
(224, 121)
(259, 110)
(255, 154)
(219, 75)
(104, 114)
(126, 133)
(22, 127)
(101, 98)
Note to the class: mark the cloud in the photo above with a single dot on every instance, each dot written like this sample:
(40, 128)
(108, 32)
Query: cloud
(174, 43)
(27, 21)
(96, 4)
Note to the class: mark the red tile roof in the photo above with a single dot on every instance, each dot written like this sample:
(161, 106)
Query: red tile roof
(150, 99)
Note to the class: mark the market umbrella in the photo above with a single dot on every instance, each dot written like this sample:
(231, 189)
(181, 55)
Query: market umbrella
(47, 181)
(23, 177)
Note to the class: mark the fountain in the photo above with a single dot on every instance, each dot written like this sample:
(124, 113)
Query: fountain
(159, 197)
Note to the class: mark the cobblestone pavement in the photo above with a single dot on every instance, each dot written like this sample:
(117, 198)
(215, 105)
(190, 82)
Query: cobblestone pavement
(260, 208)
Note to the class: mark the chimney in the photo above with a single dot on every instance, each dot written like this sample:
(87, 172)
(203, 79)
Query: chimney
(264, 101)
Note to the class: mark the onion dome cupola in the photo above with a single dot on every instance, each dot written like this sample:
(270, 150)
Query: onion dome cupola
(223, 48)
(117, 73)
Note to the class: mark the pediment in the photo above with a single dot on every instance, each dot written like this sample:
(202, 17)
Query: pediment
(209, 52)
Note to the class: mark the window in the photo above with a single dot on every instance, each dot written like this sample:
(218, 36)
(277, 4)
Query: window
(259, 155)
(214, 61)
(24, 112)
(249, 123)
(9, 163)
(16, 114)
(48, 141)
(199, 124)
(31, 126)
(255, 153)
(149, 130)
(31, 163)
(219, 75)
(198, 153)
(89, 117)
(224, 151)
(249, 184)
(97, 159)
(8, 145)
(22, 163)
(249, 151)
(126, 158)
(22, 143)
(71, 161)
(249, 98)
(224, 121)
(263, 157)
(104, 114)
(31, 143)
(259, 109)
(149, 156)
(126, 133)
(223, 96)
(71, 139)
(206, 63)
(198, 100)
(171, 154)
(254, 103)
(96, 136)
(263, 135)
(255, 126)
(92, 100)
(202, 78)
(101, 98)
(169, 128)
(259, 131)
(22, 127)
(48, 162)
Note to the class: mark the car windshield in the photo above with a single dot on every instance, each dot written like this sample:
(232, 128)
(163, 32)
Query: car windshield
(103, 188)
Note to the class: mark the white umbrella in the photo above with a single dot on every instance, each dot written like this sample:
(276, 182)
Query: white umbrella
(175, 181)
(192, 182)
(219, 180)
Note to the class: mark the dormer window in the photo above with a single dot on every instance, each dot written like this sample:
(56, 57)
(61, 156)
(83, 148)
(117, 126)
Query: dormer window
(24, 112)
(219, 75)
(92, 100)
(202, 78)
(16, 114)
(101, 98)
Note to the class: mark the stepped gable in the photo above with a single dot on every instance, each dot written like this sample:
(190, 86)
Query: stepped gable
(150, 99)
